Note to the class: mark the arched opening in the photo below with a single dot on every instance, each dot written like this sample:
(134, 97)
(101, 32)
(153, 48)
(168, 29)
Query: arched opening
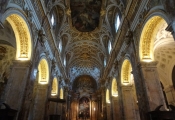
(129, 92)
(126, 73)
(61, 93)
(15, 44)
(157, 44)
(107, 96)
(114, 88)
(22, 35)
(43, 69)
(54, 91)
(40, 91)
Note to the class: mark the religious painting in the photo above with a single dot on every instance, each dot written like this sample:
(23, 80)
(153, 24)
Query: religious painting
(85, 14)
(84, 108)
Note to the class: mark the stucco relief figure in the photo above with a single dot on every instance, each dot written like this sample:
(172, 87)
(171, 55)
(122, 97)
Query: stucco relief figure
(85, 14)
(84, 110)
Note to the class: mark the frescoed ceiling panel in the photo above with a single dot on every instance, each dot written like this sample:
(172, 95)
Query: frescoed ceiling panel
(85, 14)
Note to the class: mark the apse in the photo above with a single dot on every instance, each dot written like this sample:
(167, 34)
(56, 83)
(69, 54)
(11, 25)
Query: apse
(85, 14)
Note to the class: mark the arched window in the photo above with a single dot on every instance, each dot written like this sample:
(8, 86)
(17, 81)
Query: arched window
(109, 47)
(64, 61)
(104, 62)
(117, 22)
(52, 20)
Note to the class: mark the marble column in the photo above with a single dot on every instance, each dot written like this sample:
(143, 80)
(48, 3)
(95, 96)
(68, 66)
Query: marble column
(108, 111)
(99, 108)
(153, 86)
(116, 108)
(104, 111)
(128, 103)
(66, 104)
(74, 113)
(16, 84)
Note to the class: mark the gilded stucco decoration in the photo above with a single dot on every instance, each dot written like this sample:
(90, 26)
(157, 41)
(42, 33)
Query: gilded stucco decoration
(147, 38)
(114, 88)
(61, 93)
(126, 72)
(87, 61)
(23, 38)
(43, 72)
(54, 87)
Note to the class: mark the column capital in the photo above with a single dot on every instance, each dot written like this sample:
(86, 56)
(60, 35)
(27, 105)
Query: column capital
(19, 63)
(148, 64)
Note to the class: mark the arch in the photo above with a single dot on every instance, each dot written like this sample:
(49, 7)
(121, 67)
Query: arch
(107, 96)
(114, 88)
(54, 91)
(61, 93)
(43, 69)
(148, 38)
(129, 91)
(22, 34)
(126, 73)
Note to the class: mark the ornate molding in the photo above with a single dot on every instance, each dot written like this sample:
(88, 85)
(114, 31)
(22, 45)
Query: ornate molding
(152, 64)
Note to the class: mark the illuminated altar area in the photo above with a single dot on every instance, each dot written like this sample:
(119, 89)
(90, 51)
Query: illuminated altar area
(84, 101)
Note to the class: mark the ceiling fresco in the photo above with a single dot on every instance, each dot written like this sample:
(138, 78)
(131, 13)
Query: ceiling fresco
(85, 14)
(84, 33)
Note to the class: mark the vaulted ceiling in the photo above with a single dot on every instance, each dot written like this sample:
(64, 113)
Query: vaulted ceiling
(86, 28)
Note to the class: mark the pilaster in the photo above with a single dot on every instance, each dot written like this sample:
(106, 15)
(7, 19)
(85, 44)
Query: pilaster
(128, 103)
(16, 84)
(15, 89)
(116, 108)
(152, 84)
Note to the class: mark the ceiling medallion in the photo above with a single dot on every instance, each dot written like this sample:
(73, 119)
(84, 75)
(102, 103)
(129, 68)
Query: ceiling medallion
(85, 56)
(85, 14)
